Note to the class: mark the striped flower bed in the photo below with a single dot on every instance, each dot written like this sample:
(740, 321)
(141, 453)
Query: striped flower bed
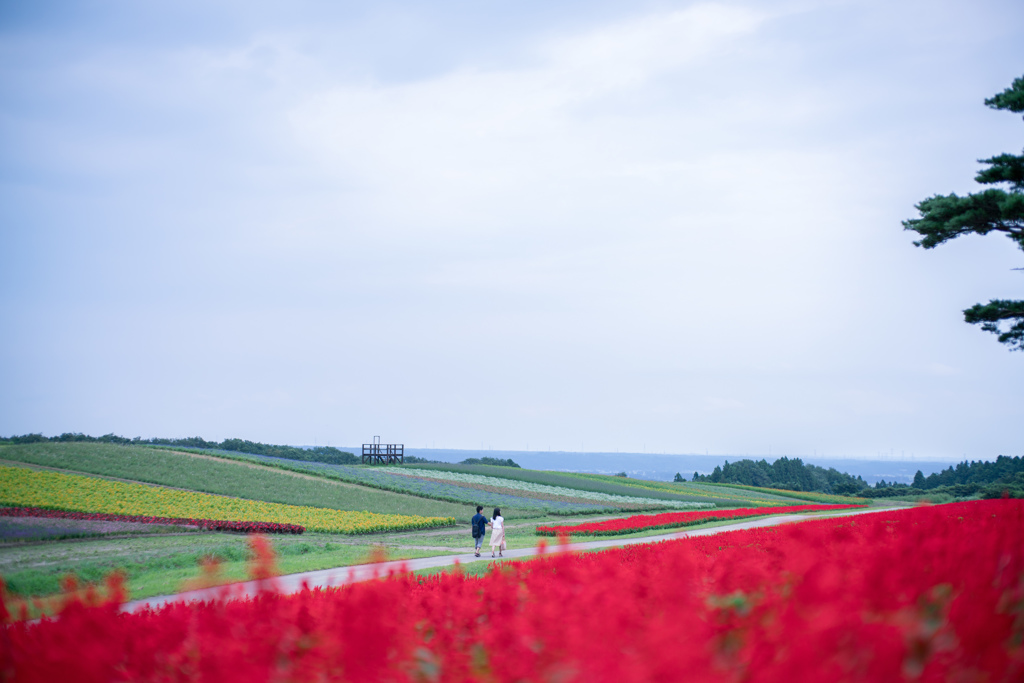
(671, 520)
(377, 477)
(531, 487)
(21, 487)
(209, 524)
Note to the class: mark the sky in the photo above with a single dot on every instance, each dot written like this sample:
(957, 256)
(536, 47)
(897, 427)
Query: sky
(598, 226)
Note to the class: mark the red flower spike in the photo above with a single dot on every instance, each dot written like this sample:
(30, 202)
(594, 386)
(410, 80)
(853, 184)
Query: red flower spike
(263, 564)
(5, 615)
(116, 592)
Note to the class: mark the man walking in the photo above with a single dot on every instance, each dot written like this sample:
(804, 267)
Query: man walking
(479, 529)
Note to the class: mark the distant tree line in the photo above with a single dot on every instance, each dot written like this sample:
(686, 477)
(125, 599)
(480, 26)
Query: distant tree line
(979, 478)
(325, 454)
(496, 462)
(984, 479)
(785, 473)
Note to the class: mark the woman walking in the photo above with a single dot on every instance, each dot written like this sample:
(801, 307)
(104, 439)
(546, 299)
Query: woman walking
(497, 525)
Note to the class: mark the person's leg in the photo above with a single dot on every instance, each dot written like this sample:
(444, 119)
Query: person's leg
(479, 544)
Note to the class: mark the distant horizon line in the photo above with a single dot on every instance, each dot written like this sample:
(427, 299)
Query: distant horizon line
(742, 456)
(880, 457)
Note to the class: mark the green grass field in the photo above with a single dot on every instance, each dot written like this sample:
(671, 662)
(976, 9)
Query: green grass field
(159, 564)
(225, 477)
(722, 495)
(597, 483)
(813, 496)
(316, 469)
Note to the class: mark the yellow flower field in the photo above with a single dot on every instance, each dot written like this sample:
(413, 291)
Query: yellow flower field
(25, 487)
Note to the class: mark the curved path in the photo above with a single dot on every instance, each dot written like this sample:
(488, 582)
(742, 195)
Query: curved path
(339, 576)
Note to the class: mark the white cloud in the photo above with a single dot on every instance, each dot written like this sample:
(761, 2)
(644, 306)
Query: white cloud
(480, 149)
(679, 223)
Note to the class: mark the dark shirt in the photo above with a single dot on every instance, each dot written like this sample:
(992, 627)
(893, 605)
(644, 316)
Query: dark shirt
(479, 525)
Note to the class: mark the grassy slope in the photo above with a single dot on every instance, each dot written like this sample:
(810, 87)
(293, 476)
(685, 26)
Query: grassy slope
(724, 496)
(734, 492)
(827, 498)
(35, 529)
(317, 469)
(224, 477)
(730, 497)
(157, 565)
(598, 483)
(161, 565)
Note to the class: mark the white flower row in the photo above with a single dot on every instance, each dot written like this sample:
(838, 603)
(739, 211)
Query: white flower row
(441, 475)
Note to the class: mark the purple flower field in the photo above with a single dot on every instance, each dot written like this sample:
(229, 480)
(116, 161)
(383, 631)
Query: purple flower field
(13, 529)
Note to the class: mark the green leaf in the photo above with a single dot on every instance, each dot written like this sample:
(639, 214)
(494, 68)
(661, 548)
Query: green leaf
(1011, 99)
(998, 311)
(1005, 168)
(945, 217)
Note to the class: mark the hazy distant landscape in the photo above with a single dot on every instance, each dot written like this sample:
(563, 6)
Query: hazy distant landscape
(663, 467)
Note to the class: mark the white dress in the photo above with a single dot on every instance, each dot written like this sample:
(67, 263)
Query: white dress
(497, 533)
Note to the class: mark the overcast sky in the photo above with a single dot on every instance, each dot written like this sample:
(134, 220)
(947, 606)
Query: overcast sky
(597, 225)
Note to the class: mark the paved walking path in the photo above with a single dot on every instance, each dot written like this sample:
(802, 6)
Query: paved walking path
(340, 576)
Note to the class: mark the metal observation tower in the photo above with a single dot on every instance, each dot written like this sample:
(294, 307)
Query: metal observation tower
(378, 453)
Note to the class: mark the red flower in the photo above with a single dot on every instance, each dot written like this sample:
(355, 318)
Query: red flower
(670, 520)
(928, 594)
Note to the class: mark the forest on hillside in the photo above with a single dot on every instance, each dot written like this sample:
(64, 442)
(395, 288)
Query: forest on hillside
(325, 454)
(978, 478)
(791, 474)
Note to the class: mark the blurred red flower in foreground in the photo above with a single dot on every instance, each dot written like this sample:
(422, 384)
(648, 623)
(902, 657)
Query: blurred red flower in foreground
(925, 594)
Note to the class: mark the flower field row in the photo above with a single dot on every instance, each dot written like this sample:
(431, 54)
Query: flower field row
(377, 477)
(671, 520)
(28, 488)
(209, 524)
(687, 489)
(487, 490)
(464, 477)
(578, 482)
(814, 496)
(924, 594)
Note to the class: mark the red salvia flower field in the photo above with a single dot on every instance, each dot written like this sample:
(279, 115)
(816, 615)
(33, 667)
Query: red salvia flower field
(925, 594)
(209, 524)
(670, 520)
